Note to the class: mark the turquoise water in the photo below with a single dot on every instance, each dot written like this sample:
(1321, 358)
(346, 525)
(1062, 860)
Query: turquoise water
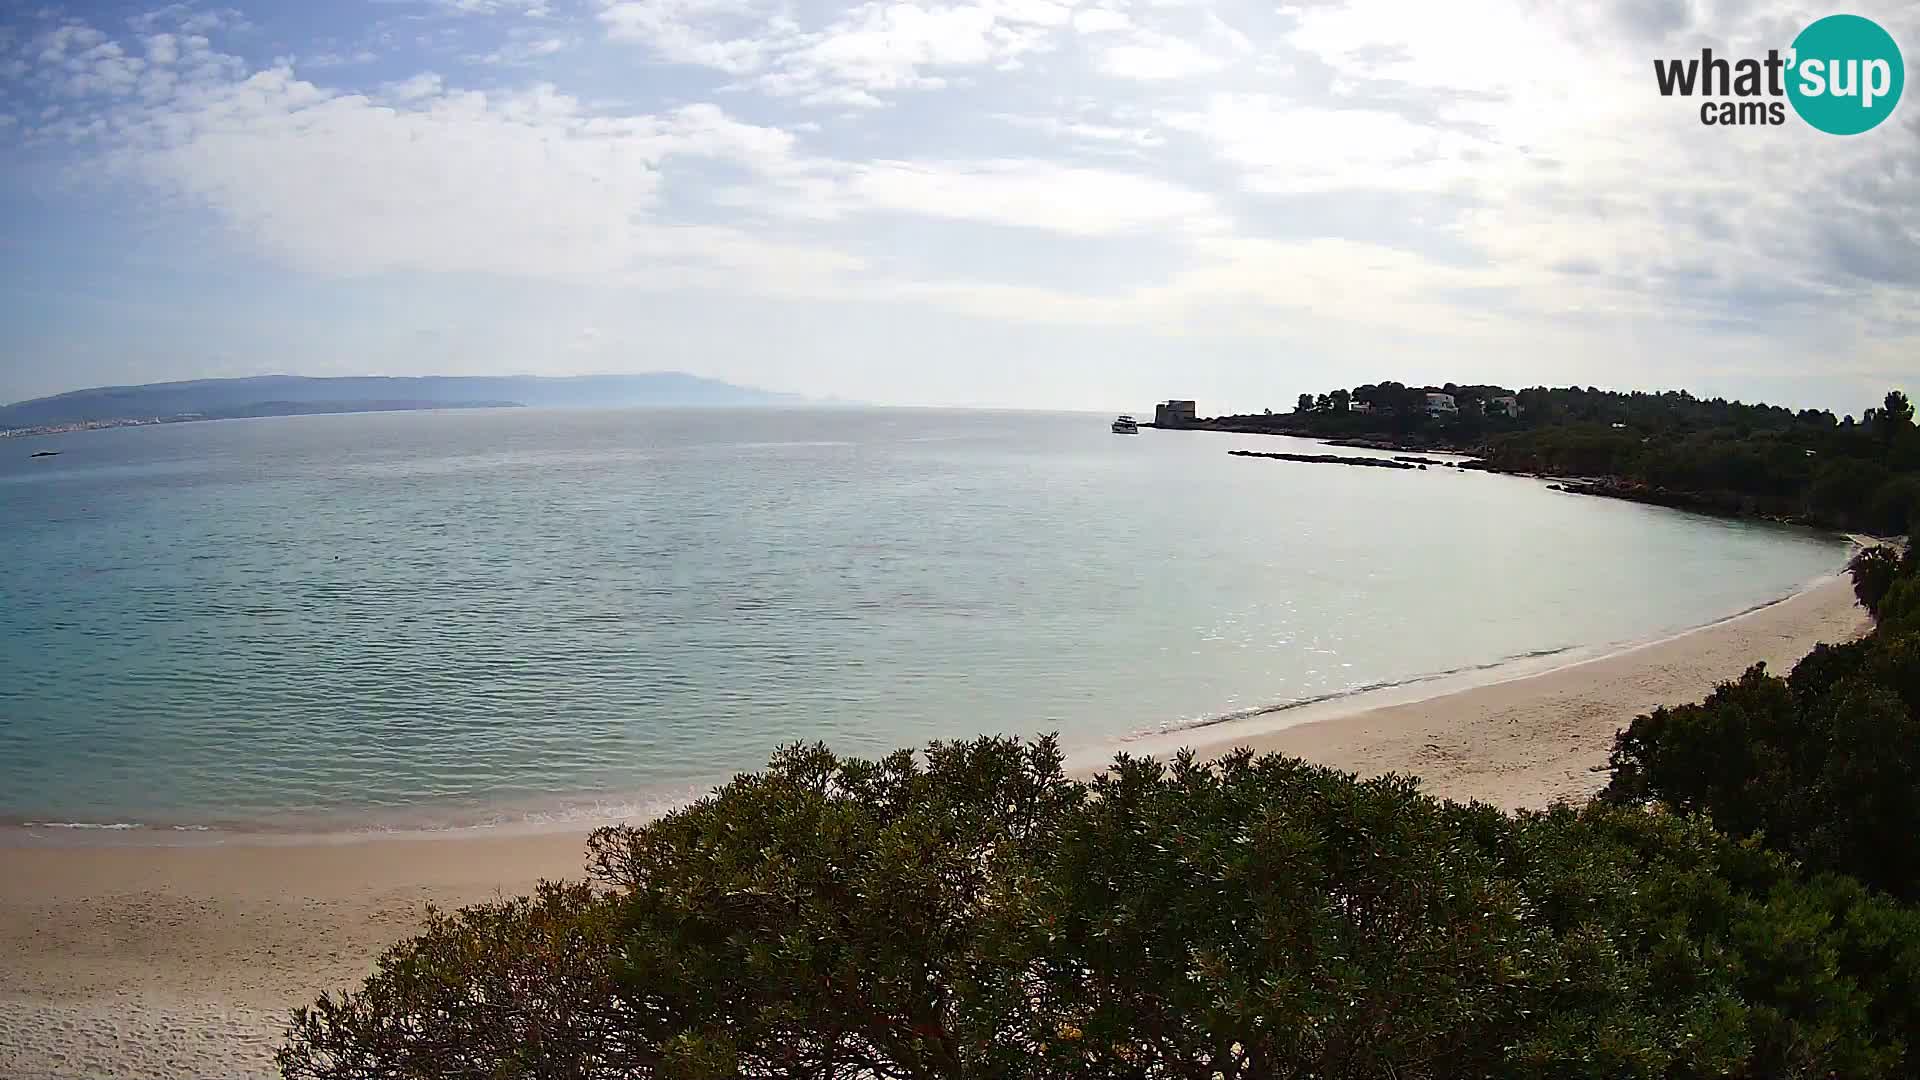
(463, 617)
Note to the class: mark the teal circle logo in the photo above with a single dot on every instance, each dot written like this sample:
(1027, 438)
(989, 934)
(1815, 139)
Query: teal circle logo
(1845, 75)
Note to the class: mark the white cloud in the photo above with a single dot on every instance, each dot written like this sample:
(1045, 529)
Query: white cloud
(1093, 20)
(54, 45)
(883, 46)
(532, 9)
(324, 60)
(187, 19)
(1290, 146)
(162, 48)
(1154, 56)
(524, 184)
(524, 51)
(1031, 194)
(424, 85)
(728, 35)
(1135, 137)
(862, 54)
(1319, 172)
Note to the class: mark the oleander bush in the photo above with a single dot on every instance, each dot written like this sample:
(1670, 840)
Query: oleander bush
(971, 911)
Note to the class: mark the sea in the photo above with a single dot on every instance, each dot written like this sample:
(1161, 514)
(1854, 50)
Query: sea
(482, 619)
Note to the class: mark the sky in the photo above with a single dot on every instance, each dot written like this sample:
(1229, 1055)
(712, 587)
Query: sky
(1088, 204)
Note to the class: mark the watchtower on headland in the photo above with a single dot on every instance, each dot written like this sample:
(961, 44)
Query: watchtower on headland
(1173, 414)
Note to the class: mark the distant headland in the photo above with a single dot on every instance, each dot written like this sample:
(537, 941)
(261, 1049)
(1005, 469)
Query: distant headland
(288, 395)
(1667, 448)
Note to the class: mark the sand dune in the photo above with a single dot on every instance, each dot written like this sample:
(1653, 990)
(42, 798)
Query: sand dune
(182, 962)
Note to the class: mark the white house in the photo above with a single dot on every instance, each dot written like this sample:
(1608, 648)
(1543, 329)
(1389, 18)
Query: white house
(1438, 403)
(1504, 406)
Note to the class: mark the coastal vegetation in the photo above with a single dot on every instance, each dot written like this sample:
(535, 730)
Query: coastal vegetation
(1823, 764)
(1670, 448)
(1739, 902)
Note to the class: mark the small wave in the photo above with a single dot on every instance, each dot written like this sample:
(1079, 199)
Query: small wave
(109, 826)
(1272, 708)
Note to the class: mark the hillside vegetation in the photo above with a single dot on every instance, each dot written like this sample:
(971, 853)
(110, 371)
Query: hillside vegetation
(1708, 454)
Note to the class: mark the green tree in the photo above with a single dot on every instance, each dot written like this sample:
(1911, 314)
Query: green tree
(1897, 413)
(1305, 404)
(973, 912)
(1824, 765)
(1873, 570)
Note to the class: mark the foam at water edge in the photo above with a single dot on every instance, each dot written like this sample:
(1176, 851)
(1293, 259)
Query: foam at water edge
(1517, 665)
(1251, 711)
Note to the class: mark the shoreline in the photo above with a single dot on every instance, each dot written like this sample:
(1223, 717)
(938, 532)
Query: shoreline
(1261, 721)
(163, 961)
(580, 815)
(1531, 740)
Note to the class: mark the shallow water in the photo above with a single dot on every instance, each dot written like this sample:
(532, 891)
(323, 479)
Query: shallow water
(460, 617)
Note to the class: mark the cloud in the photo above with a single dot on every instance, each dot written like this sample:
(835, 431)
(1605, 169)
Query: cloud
(1282, 146)
(424, 85)
(1030, 194)
(523, 51)
(526, 183)
(1141, 138)
(1496, 186)
(1155, 56)
(188, 19)
(1159, 55)
(323, 60)
(882, 46)
(1094, 20)
(531, 9)
(859, 57)
(162, 49)
(729, 35)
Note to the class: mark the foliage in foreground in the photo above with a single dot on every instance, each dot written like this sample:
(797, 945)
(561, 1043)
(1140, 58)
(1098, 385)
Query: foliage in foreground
(972, 912)
(1824, 764)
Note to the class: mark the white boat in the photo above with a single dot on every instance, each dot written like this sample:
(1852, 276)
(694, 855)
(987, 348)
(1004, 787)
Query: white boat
(1126, 425)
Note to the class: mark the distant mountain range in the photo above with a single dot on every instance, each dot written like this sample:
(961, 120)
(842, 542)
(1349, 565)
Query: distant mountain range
(280, 395)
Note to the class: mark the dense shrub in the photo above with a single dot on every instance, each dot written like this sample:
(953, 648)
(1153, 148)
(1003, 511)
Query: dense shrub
(975, 913)
(1824, 765)
(1874, 570)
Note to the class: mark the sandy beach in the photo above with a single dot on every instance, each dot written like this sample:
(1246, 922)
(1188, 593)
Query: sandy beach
(151, 962)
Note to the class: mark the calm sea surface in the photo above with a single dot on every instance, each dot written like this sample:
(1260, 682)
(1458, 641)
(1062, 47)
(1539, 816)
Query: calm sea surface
(465, 617)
